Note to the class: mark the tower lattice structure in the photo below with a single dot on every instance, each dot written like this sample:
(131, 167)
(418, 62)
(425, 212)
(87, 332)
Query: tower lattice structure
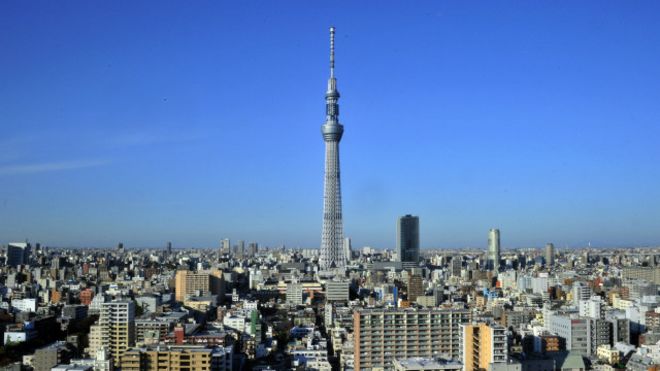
(332, 254)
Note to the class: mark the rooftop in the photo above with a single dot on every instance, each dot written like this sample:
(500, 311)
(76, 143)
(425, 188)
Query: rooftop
(426, 363)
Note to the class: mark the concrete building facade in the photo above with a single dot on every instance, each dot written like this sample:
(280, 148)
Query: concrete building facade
(482, 345)
(382, 335)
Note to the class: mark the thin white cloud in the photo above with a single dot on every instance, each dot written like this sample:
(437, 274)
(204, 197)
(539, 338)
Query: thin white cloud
(49, 167)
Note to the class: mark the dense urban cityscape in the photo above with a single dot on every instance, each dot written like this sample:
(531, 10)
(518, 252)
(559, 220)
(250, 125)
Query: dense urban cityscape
(242, 305)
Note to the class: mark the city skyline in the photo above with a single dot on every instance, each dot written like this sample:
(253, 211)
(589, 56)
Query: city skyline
(121, 131)
(173, 197)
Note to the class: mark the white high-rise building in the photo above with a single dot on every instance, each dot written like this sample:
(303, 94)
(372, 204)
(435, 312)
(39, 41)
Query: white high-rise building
(540, 284)
(294, 293)
(574, 329)
(592, 308)
(493, 258)
(348, 249)
(225, 246)
(329, 316)
(580, 292)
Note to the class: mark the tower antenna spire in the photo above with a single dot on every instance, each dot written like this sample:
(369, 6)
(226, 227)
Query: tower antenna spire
(332, 51)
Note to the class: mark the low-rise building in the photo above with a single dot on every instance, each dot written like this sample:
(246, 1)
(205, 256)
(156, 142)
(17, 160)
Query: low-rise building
(608, 354)
(177, 357)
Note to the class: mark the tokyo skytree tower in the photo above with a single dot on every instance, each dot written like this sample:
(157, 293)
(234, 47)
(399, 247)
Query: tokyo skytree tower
(332, 253)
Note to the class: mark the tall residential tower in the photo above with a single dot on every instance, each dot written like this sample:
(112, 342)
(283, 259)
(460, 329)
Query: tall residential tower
(549, 255)
(493, 258)
(332, 238)
(117, 325)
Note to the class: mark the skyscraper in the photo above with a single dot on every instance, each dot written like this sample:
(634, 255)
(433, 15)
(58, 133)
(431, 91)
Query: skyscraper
(225, 246)
(240, 249)
(493, 259)
(332, 254)
(18, 253)
(456, 265)
(348, 249)
(253, 248)
(549, 255)
(407, 238)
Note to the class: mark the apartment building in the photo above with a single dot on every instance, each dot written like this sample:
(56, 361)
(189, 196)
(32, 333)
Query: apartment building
(117, 323)
(574, 330)
(382, 335)
(600, 333)
(179, 357)
(158, 325)
(294, 293)
(650, 274)
(188, 283)
(482, 345)
(337, 290)
(415, 287)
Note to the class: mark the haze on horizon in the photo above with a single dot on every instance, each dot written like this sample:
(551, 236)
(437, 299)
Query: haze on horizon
(159, 121)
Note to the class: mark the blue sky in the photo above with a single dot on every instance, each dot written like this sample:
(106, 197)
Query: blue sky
(147, 122)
